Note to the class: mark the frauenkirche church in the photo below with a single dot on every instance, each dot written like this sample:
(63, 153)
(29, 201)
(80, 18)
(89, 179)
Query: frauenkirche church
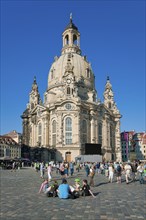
(70, 115)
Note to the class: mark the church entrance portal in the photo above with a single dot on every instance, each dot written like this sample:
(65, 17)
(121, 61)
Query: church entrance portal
(68, 156)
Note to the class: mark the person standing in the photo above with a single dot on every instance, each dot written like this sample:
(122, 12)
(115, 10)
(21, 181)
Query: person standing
(140, 170)
(62, 169)
(71, 165)
(111, 173)
(87, 169)
(42, 169)
(49, 171)
(128, 170)
(92, 174)
(118, 172)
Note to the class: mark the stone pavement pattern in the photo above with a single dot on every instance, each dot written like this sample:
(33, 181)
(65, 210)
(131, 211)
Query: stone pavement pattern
(20, 199)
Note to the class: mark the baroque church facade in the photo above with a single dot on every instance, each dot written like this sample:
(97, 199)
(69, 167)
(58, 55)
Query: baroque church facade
(70, 115)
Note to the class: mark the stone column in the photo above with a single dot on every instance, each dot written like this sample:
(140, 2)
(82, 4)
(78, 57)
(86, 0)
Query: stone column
(118, 150)
(92, 127)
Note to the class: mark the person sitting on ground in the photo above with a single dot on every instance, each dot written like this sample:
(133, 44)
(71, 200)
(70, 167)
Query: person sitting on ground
(63, 190)
(44, 186)
(76, 189)
(52, 190)
(86, 189)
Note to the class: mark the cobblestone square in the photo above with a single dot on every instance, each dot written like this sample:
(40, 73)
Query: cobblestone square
(20, 199)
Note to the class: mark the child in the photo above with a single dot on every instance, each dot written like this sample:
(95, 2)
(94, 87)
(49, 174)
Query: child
(86, 189)
(75, 193)
(52, 190)
(44, 186)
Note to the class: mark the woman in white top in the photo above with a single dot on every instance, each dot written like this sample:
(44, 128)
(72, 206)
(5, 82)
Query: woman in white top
(49, 170)
(111, 173)
(128, 171)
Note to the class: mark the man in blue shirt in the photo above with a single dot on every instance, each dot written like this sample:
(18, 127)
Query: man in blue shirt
(63, 190)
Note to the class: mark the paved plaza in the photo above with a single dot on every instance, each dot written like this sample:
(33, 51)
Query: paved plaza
(20, 199)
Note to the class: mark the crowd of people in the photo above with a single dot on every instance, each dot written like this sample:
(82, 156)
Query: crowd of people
(129, 171)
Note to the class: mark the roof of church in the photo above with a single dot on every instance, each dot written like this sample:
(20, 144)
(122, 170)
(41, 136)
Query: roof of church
(71, 25)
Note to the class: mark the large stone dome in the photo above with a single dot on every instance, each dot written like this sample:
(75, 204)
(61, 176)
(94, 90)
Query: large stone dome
(70, 74)
(75, 63)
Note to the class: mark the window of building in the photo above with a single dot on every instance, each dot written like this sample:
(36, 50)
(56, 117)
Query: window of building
(109, 105)
(88, 73)
(100, 133)
(32, 105)
(68, 130)
(54, 133)
(74, 39)
(52, 75)
(68, 106)
(66, 39)
(68, 90)
(39, 134)
(84, 131)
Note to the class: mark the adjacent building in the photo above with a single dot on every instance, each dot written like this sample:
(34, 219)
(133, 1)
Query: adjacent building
(71, 114)
(133, 145)
(16, 136)
(9, 148)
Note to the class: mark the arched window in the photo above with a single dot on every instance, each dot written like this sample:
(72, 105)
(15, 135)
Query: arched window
(68, 90)
(100, 133)
(112, 143)
(84, 131)
(88, 73)
(109, 104)
(74, 39)
(54, 133)
(66, 39)
(68, 130)
(32, 105)
(39, 134)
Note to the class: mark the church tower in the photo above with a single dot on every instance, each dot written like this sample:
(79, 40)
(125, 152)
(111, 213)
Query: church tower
(34, 96)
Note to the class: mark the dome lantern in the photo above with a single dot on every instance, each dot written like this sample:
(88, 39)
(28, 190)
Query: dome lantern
(71, 38)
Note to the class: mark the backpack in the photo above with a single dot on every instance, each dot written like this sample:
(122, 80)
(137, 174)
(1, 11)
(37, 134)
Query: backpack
(118, 168)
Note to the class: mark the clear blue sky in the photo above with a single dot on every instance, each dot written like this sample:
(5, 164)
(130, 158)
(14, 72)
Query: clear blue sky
(112, 37)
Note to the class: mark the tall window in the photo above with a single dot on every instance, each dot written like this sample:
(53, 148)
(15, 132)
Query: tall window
(54, 133)
(109, 105)
(66, 39)
(39, 134)
(88, 73)
(68, 90)
(68, 130)
(74, 39)
(100, 133)
(111, 136)
(84, 131)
